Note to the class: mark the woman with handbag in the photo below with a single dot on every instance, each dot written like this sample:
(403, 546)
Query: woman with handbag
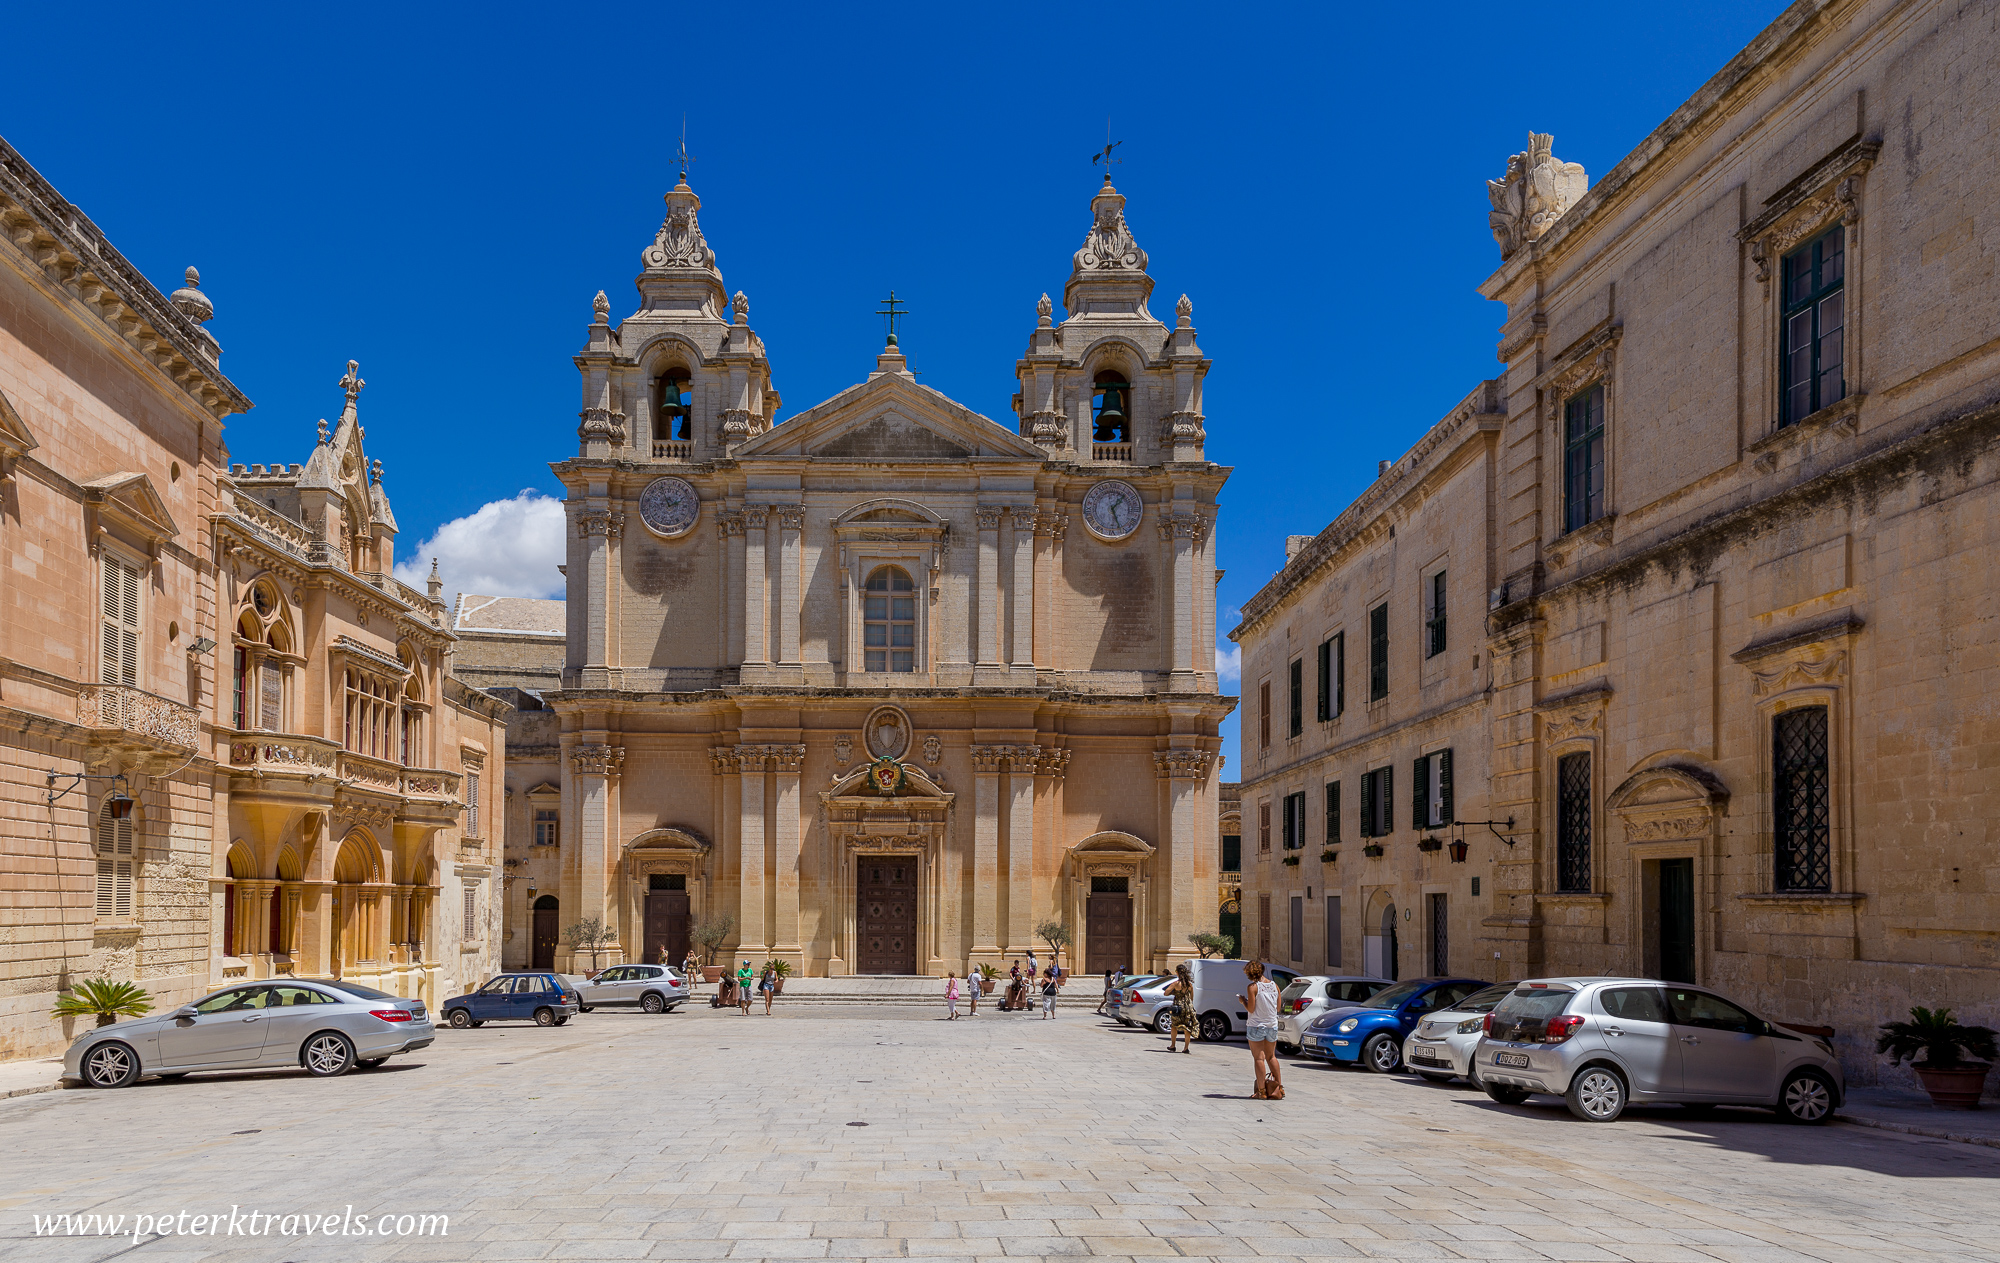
(768, 984)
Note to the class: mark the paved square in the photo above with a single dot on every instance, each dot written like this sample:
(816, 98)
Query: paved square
(704, 1135)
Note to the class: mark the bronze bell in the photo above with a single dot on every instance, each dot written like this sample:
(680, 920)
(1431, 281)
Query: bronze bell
(1111, 415)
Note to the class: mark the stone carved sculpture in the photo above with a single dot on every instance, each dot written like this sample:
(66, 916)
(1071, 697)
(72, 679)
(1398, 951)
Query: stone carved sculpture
(843, 749)
(1184, 311)
(1044, 309)
(602, 306)
(1536, 191)
(739, 307)
(679, 243)
(191, 302)
(933, 749)
(1109, 245)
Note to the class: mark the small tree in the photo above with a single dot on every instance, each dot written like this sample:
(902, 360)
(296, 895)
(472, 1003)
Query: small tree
(590, 935)
(1056, 935)
(1938, 1036)
(105, 1000)
(1208, 945)
(710, 933)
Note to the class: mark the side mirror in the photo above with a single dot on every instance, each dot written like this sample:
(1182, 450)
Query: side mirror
(186, 1010)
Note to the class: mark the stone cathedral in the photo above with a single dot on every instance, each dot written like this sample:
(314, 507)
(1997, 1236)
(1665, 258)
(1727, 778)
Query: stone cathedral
(888, 681)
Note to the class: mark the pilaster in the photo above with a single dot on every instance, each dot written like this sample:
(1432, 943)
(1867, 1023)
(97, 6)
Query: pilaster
(756, 608)
(1021, 524)
(753, 856)
(594, 768)
(986, 762)
(1186, 772)
(791, 523)
(786, 761)
(1021, 762)
(986, 601)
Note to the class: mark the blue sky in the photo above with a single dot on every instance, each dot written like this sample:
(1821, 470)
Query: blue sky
(439, 196)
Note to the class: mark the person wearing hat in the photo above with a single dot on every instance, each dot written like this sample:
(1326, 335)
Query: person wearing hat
(744, 977)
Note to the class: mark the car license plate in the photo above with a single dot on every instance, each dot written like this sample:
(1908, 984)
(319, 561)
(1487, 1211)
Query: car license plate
(1518, 1060)
(1426, 1056)
(1309, 1042)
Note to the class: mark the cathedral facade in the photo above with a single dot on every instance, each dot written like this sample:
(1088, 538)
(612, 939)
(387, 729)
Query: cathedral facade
(890, 686)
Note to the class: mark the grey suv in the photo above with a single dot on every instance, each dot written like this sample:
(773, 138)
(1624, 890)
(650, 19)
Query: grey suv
(1605, 1042)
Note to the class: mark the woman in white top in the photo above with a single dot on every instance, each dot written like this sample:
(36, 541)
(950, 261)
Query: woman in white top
(1262, 1005)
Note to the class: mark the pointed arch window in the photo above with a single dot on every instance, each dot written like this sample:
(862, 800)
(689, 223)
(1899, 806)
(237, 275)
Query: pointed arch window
(889, 620)
(1111, 408)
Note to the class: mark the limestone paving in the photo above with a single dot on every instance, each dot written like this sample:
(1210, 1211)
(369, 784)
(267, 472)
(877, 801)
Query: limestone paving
(707, 1135)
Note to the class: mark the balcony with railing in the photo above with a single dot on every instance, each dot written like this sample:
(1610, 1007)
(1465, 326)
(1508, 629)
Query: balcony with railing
(1111, 453)
(120, 711)
(673, 449)
(283, 752)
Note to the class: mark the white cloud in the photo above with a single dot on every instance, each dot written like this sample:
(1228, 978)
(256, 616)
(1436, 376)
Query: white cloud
(506, 548)
(1229, 663)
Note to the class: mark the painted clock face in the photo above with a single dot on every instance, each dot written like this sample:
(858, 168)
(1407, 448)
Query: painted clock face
(669, 506)
(1112, 509)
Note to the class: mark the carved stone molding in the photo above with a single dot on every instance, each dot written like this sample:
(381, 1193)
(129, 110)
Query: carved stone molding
(1048, 429)
(756, 515)
(679, 243)
(1053, 762)
(1182, 764)
(933, 749)
(1181, 526)
(1802, 671)
(1536, 190)
(736, 425)
(1667, 827)
(723, 760)
(843, 748)
(988, 516)
(772, 758)
(728, 522)
(989, 759)
(597, 760)
(1830, 191)
(1051, 522)
(791, 517)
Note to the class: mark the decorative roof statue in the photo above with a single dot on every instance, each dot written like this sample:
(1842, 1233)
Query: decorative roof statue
(601, 305)
(739, 307)
(191, 302)
(352, 383)
(679, 243)
(1184, 311)
(1109, 245)
(1536, 191)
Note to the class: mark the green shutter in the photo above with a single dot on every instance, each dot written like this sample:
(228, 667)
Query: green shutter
(1368, 804)
(1444, 786)
(1386, 796)
(1333, 811)
(1420, 814)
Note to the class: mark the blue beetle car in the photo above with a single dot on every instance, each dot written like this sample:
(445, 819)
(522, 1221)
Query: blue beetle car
(1373, 1031)
(546, 999)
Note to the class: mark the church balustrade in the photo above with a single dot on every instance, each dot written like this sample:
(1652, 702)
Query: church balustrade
(673, 449)
(1111, 453)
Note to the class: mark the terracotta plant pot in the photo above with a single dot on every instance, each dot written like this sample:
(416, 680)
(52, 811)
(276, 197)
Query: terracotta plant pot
(986, 986)
(1955, 1089)
(711, 973)
(779, 987)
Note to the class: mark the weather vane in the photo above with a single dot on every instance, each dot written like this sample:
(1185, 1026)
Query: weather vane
(889, 310)
(1105, 155)
(684, 155)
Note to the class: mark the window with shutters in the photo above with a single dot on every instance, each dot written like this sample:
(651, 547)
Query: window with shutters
(1264, 715)
(114, 866)
(1332, 664)
(1378, 652)
(1298, 929)
(374, 707)
(1434, 638)
(1264, 825)
(1573, 832)
(1801, 801)
(1811, 366)
(1333, 811)
(1377, 793)
(1430, 802)
(1295, 821)
(1583, 458)
(547, 826)
(1298, 697)
(889, 620)
(471, 910)
(120, 624)
(472, 805)
(1333, 931)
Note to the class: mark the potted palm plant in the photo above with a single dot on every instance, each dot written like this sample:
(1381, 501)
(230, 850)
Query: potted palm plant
(1951, 1069)
(988, 976)
(105, 1000)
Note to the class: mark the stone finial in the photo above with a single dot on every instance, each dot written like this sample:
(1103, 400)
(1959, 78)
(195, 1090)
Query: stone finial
(352, 383)
(1109, 246)
(602, 306)
(1044, 309)
(436, 582)
(1184, 312)
(1536, 190)
(679, 243)
(322, 431)
(739, 307)
(375, 473)
(191, 302)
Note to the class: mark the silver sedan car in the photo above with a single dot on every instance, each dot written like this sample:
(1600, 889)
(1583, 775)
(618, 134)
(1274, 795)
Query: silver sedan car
(1602, 1043)
(653, 988)
(1143, 1001)
(327, 1027)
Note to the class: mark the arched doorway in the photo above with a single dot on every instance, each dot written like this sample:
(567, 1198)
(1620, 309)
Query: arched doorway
(1378, 941)
(666, 932)
(546, 932)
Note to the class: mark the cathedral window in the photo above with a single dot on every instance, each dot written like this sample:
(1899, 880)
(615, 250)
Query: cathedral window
(1583, 458)
(676, 407)
(889, 620)
(1815, 300)
(1112, 408)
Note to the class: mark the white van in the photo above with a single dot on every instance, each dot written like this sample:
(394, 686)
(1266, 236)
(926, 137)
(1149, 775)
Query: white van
(1217, 983)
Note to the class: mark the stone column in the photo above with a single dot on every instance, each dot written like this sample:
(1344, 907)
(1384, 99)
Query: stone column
(1049, 526)
(986, 762)
(1021, 847)
(1185, 771)
(728, 830)
(729, 530)
(593, 525)
(986, 601)
(756, 608)
(1022, 655)
(1180, 529)
(753, 847)
(594, 766)
(787, 761)
(791, 521)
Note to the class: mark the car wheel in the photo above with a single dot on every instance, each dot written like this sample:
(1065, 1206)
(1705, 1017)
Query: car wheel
(1214, 1027)
(1806, 1098)
(459, 1019)
(370, 1063)
(1382, 1054)
(583, 1008)
(1434, 1078)
(327, 1054)
(1163, 1022)
(1505, 1094)
(545, 1016)
(1125, 1022)
(1597, 1095)
(110, 1065)
(652, 1003)
(562, 1021)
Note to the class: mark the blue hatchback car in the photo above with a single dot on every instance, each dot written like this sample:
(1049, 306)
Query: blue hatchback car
(546, 999)
(1372, 1032)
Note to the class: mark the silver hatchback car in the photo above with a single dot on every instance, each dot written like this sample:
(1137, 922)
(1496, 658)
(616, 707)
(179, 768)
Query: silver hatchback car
(1603, 1043)
(327, 1027)
(1143, 1001)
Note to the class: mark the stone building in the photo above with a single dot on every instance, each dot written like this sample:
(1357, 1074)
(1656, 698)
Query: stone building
(890, 683)
(1740, 504)
(361, 783)
(508, 642)
(111, 408)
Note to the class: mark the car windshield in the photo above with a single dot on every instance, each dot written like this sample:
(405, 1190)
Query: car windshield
(357, 990)
(1395, 997)
(1483, 1001)
(1295, 990)
(1524, 1013)
(1150, 980)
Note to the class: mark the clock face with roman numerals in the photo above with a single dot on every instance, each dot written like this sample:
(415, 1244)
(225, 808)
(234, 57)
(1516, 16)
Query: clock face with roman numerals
(669, 506)
(1112, 509)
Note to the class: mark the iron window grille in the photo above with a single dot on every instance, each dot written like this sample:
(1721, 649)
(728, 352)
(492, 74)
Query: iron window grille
(1434, 625)
(1583, 458)
(1801, 801)
(1573, 824)
(1440, 936)
(1814, 324)
(1378, 653)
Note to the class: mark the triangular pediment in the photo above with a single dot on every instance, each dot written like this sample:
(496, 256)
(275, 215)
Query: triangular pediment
(16, 439)
(130, 500)
(890, 417)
